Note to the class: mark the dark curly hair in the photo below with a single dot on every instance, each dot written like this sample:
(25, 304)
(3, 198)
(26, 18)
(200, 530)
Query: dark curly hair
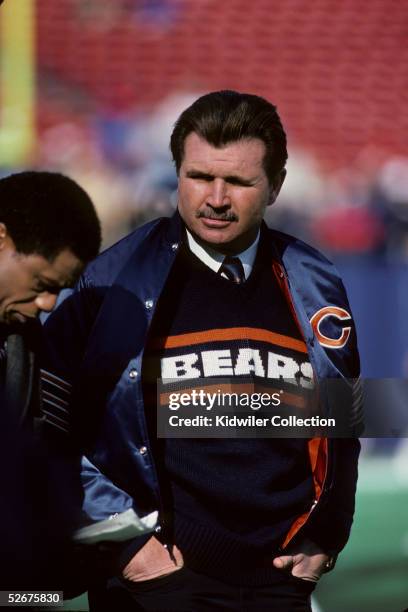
(47, 212)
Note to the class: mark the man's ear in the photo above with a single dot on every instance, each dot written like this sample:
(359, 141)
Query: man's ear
(276, 186)
(3, 235)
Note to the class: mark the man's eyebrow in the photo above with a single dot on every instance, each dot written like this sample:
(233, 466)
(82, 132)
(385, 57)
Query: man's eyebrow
(51, 282)
(53, 285)
(199, 174)
(239, 179)
(233, 178)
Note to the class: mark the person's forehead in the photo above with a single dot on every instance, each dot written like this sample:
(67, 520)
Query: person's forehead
(61, 270)
(243, 153)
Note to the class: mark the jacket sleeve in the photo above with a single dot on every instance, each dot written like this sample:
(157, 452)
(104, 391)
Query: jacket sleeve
(330, 522)
(66, 332)
(329, 526)
(122, 529)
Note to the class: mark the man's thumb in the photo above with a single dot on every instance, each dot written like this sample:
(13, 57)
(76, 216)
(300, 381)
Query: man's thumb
(284, 563)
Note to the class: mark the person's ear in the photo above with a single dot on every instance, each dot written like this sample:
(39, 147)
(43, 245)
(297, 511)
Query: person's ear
(3, 235)
(276, 186)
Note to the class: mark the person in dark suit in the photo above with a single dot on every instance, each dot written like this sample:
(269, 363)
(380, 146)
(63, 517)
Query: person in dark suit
(49, 230)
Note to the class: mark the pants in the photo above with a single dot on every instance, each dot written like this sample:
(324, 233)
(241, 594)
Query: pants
(188, 591)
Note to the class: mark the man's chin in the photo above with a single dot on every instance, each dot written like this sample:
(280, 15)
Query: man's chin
(213, 236)
(223, 242)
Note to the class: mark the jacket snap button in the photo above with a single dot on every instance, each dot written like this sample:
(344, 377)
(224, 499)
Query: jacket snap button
(133, 374)
(149, 304)
(143, 450)
(174, 246)
(158, 529)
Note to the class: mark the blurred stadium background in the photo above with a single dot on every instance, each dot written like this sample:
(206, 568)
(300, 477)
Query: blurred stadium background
(92, 89)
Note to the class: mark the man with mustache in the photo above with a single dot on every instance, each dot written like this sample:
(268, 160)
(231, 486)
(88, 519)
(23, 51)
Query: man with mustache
(243, 524)
(49, 230)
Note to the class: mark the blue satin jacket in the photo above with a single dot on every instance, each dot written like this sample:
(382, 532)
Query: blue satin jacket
(95, 343)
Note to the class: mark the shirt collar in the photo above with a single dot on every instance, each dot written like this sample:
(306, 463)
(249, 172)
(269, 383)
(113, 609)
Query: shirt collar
(213, 259)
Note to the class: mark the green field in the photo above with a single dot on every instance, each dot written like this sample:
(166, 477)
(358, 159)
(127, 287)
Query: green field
(372, 573)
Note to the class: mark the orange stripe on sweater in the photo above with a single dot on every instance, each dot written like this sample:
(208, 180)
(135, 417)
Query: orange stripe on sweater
(231, 333)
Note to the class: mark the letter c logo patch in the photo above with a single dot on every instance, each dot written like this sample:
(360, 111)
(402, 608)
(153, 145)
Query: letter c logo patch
(338, 313)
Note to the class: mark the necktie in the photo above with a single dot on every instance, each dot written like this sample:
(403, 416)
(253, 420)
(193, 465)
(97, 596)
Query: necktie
(233, 269)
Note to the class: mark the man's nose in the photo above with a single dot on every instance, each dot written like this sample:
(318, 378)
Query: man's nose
(219, 194)
(45, 301)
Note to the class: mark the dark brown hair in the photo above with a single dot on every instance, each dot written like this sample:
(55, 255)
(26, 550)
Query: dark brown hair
(226, 116)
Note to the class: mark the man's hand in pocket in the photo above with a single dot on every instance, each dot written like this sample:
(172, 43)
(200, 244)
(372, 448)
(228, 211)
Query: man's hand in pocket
(306, 561)
(152, 561)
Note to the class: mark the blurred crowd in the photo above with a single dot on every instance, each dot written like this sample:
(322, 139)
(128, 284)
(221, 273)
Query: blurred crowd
(122, 159)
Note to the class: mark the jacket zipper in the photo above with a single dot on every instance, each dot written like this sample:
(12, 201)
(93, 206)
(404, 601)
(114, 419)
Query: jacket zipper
(284, 283)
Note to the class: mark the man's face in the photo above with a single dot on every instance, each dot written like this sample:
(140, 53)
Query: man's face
(30, 284)
(223, 192)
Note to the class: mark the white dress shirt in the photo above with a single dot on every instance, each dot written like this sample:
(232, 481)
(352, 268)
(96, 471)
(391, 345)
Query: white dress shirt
(213, 259)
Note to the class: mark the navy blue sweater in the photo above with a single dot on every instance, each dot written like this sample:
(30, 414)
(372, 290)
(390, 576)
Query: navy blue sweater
(231, 501)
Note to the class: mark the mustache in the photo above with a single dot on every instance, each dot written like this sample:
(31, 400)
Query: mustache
(211, 214)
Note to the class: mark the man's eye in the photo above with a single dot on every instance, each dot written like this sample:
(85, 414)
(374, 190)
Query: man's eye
(46, 289)
(201, 177)
(241, 182)
(238, 182)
